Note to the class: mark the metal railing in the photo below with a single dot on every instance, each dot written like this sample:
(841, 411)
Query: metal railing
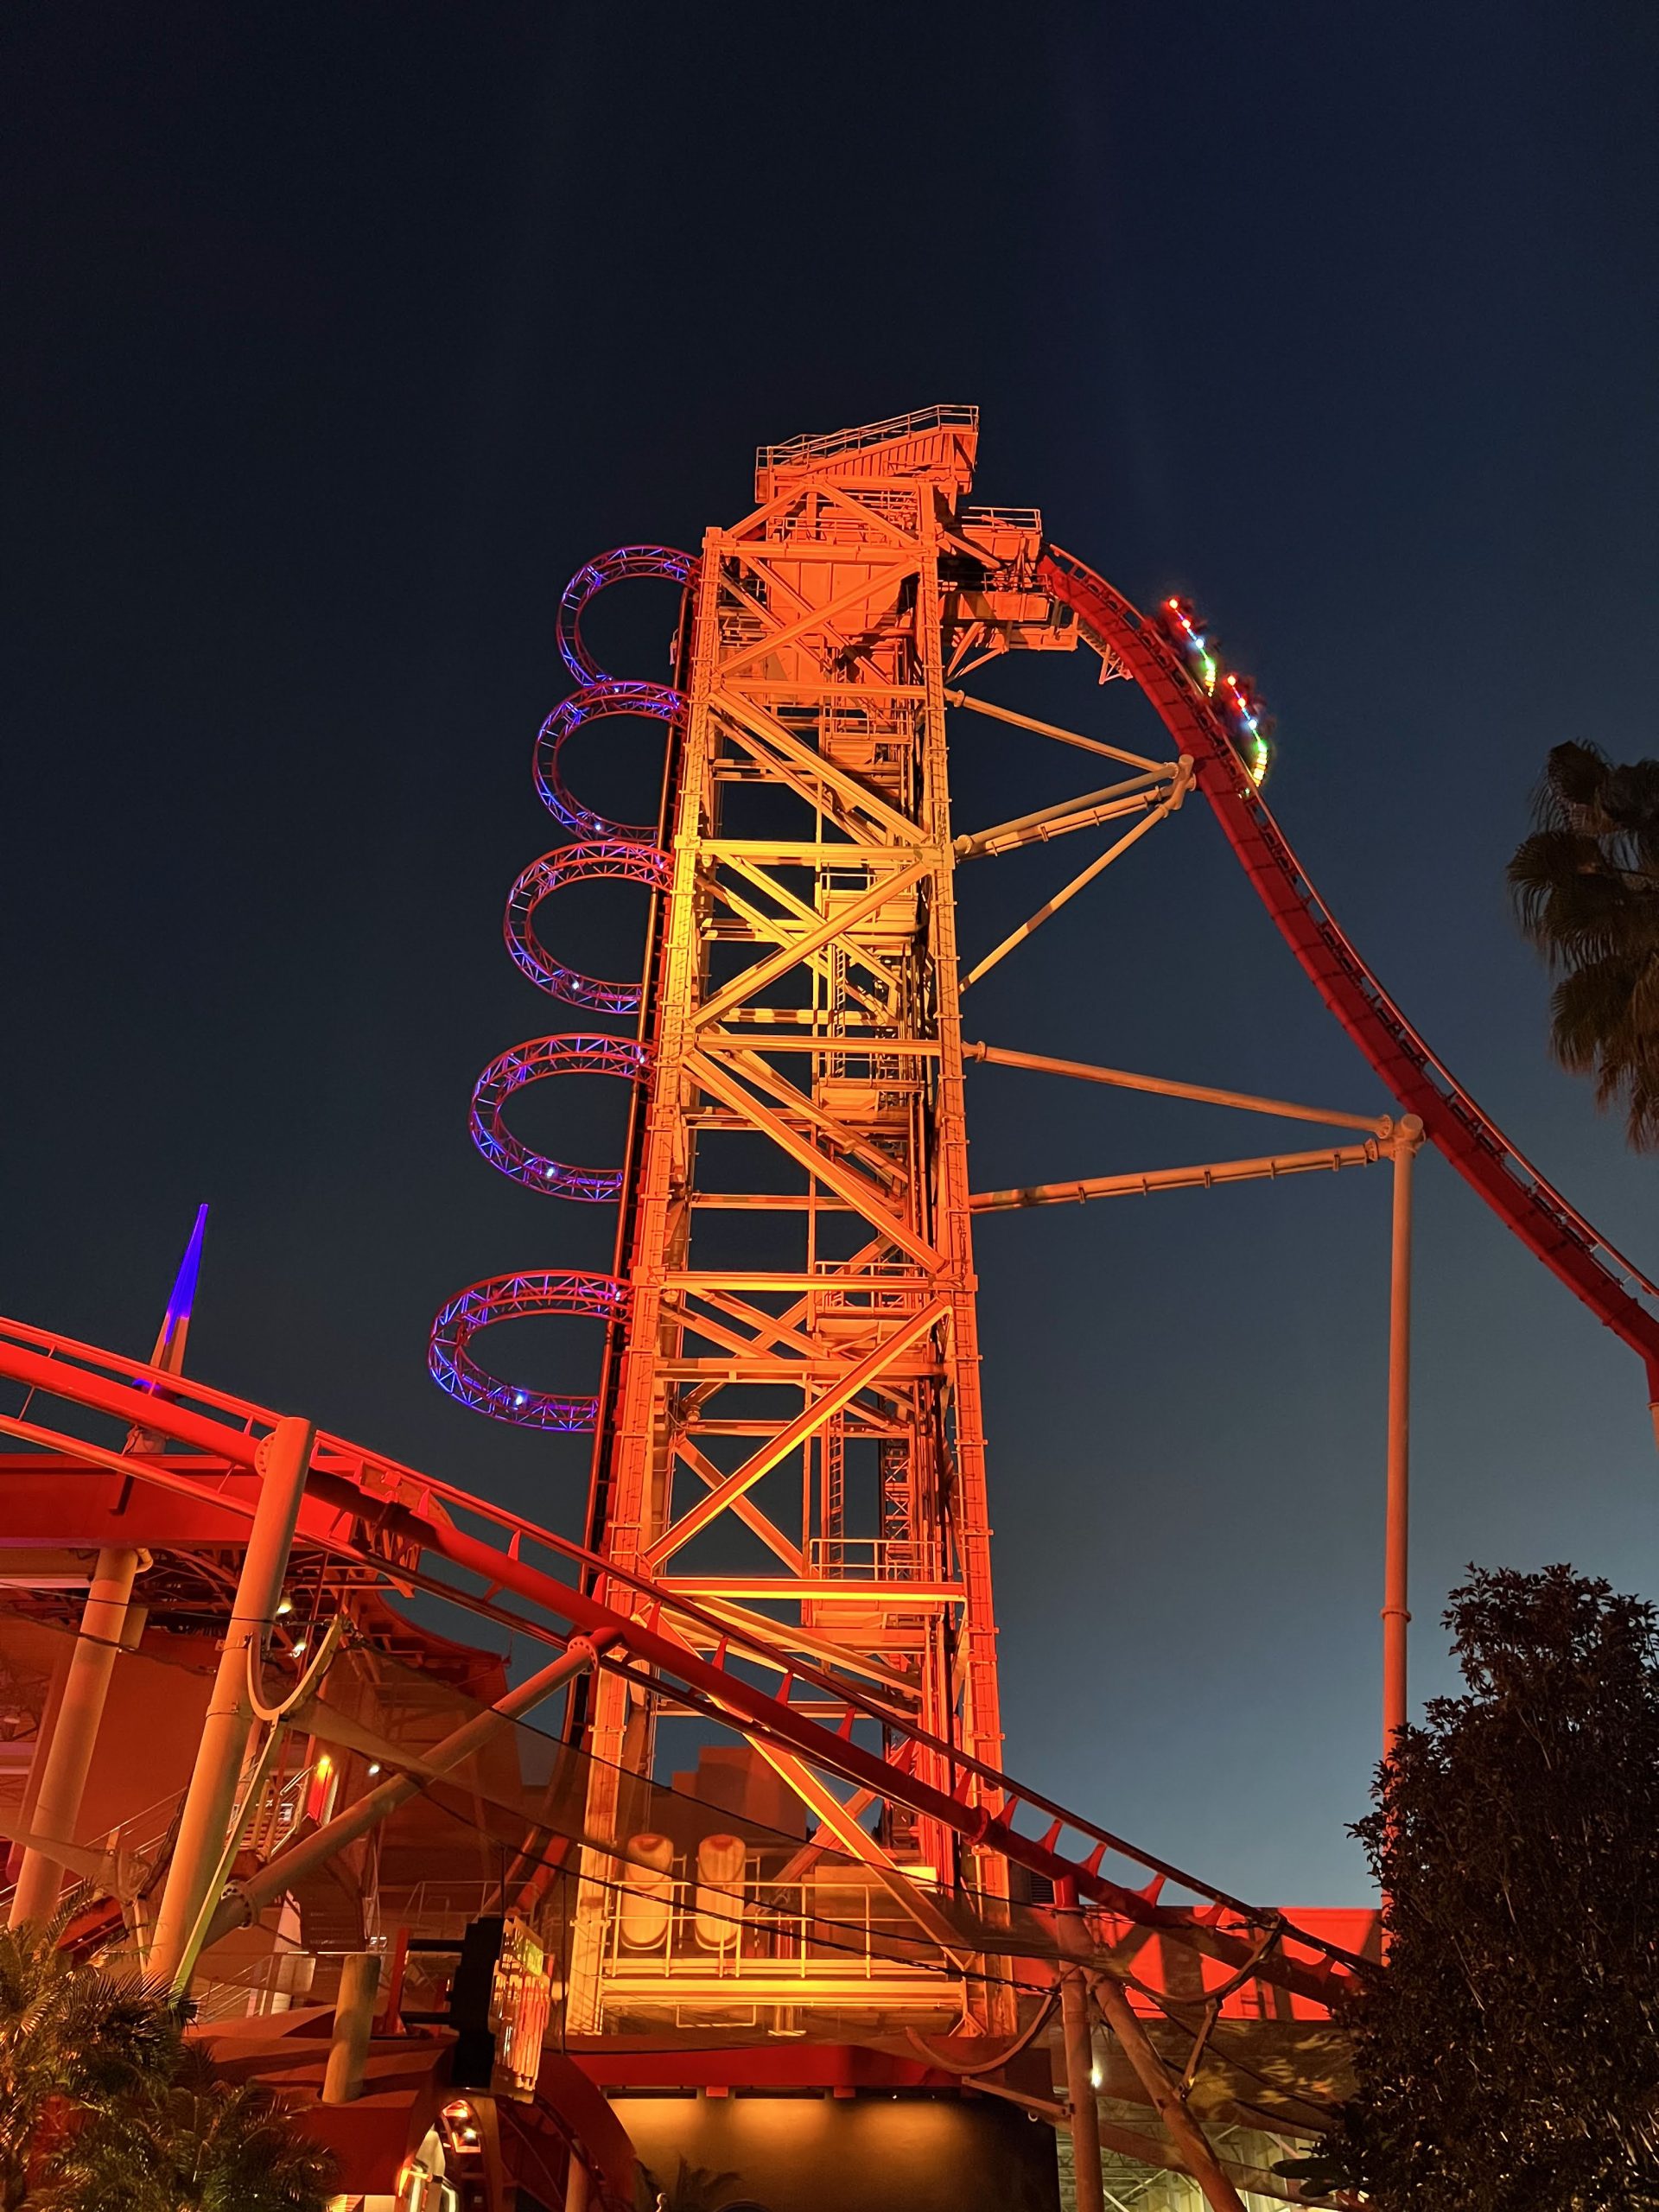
(806, 447)
(870, 1558)
(828, 1929)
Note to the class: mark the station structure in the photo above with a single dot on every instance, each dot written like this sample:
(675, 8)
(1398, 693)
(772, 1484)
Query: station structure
(257, 1734)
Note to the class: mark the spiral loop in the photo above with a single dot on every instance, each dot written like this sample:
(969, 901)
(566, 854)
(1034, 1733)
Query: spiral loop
(595, 704)
(614, 860)
(620, 851)
(534, 1062)
(509, 1298)
(606, 568)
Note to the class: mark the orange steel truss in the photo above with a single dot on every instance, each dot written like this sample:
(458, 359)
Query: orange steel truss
(788, 1530)
(791, 1433)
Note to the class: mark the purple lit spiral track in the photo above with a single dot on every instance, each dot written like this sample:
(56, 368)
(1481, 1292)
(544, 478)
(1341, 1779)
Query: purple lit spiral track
(600, 850)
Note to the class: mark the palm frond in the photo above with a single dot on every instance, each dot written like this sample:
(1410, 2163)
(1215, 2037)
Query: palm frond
(1585, 886)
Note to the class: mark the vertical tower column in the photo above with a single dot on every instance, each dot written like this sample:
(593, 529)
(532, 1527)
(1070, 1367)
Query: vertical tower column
(795, 1436)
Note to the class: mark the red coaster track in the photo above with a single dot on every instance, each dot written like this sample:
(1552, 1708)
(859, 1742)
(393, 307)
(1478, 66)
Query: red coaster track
(1522, 1198)
(369, 1512)
(364, 1510)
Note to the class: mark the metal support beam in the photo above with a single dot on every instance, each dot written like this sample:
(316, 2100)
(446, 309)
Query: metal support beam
(1185, 2133)
(1051, 729)
(1379, 1125)
(1396, 1615)
(248, 1900)
(1204, 1177)
(1086, 876)
(1079, 2053)
(284, 1458)
(1083, 812)
(349, 2050)
(75, 1731)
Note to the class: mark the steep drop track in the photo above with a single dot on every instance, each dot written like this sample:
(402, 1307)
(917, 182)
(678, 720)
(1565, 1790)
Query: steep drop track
(1419, 1082)
(366, 1511)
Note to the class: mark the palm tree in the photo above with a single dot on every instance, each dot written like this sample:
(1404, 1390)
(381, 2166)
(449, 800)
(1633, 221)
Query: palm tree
(71, 2039)
(696, 2189)
(191, 2143)
(1585, 884)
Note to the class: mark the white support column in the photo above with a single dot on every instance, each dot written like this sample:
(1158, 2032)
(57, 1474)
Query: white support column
(284, 1459)
(68, 1754)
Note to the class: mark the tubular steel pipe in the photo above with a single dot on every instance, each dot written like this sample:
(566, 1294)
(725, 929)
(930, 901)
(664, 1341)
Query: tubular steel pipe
(394, 1523)
(1185, 2133)
(1046, 822)
(286, 1460)
(1080, 2091)
(56, 1810)
(1052, 729)
(349, 2050)
(1396, 1615)
(58, 1378)
(1201, 1177)
(248, 1900)
(1079, 2053)
(1086, 876)
(1377, 1125)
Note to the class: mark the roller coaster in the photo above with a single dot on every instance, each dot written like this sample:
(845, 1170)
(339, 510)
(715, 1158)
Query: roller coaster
(787, 1539)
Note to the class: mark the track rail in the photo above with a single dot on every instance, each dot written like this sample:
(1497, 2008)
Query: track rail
(1571, 1247)
(373, 1512)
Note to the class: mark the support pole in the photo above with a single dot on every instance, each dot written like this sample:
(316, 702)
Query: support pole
(1185, 2133)
(359, 1984)
(1080, 2091)
(1396, 1541)
(74, 1732)
(246, 1900)
(1073, 1936)
(577, 2186)
(284, 1458)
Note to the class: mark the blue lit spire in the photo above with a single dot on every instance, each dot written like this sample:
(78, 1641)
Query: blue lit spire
(176, 1324)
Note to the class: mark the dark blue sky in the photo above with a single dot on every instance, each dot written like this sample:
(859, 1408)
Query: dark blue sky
(339, 336)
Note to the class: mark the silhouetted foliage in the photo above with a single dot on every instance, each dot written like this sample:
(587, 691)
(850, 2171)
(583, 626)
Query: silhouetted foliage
(73, 2040)
(696, 2189)
(192, 2142)
(1586, 893)
(1508, 2054)
(105, 2107)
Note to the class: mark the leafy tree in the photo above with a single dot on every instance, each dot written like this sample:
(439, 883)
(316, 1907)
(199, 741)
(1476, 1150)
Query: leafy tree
(1585, 884)
(1508, 2054)
(191, 2142)
(71, 2039)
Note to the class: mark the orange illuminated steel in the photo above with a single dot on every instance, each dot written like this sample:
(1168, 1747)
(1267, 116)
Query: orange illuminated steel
(788, 1530)
(794, 1421)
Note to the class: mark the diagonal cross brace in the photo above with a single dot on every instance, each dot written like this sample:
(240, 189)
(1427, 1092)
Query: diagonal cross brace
(806, 1423)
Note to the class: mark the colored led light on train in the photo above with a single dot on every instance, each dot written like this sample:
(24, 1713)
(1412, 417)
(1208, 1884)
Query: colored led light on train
(1249, 725)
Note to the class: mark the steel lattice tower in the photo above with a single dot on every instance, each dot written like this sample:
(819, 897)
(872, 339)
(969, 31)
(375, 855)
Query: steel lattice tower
(800, 1354)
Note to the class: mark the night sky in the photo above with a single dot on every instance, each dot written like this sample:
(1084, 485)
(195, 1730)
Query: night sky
(338, 337)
